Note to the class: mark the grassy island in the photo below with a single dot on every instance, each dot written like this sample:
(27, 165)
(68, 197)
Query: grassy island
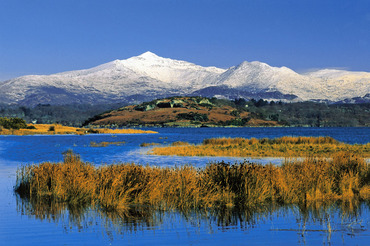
(344, 177)
(278, 147)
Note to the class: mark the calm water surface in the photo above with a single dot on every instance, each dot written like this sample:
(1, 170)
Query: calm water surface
(27, 223)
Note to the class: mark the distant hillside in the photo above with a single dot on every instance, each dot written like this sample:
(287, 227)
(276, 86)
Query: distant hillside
(201, 111)
(181, 111)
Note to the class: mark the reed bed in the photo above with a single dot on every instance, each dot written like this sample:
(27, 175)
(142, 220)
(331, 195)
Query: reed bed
(344, 177)
(50, 129)
(278, 147)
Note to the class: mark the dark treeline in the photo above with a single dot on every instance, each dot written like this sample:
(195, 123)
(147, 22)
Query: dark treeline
(69, 115)
(310, 114)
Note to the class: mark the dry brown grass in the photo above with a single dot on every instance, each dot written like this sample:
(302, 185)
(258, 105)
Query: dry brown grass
(344, 177)
(44, 129)
(278, 147)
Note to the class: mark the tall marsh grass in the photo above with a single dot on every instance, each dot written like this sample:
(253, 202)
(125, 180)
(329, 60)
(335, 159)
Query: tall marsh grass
(278, 147)
(345, 177)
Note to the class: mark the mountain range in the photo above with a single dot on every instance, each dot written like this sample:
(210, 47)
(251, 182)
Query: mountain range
(148, 76)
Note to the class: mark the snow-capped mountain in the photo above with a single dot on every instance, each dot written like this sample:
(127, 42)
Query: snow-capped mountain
(149, 76)
(259, 77)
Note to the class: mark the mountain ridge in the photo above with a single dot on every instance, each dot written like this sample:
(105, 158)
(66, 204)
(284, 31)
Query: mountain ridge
(151, 76)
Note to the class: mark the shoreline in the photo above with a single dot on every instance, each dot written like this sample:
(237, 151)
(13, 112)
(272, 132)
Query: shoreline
(56, 129)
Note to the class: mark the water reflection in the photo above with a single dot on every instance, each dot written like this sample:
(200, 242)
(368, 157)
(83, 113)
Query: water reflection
(24, 222)
(345, 219)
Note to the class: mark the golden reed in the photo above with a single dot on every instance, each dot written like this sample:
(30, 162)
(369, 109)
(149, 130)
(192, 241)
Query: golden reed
(278, 147)
(50, 129)
(344, 177)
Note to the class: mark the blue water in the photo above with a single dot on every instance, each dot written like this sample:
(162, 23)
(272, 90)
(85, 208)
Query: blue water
(34, 149)
(23, 224)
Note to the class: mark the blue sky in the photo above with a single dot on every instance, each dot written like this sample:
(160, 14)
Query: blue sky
(49, 36)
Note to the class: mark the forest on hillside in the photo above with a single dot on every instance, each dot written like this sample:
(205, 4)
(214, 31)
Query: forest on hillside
(309, 114)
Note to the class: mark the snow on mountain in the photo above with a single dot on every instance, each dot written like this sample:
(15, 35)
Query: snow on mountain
(107, 80)
(341, 84)
(151, 76)
(258, 77)
(335, 73)
(173, 72)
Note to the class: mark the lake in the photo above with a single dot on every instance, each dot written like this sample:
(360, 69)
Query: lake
(30, 223)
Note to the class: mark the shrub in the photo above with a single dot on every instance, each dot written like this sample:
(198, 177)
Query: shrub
(192, 116)
(235, 113)
(13, 123)
(92, 131)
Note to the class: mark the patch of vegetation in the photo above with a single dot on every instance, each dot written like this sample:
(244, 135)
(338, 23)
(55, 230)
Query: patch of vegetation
(344, 177)
(192, 116)
(278, 147)
(13, 123)
(91, 130)
(235, 113)
(236, 122)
